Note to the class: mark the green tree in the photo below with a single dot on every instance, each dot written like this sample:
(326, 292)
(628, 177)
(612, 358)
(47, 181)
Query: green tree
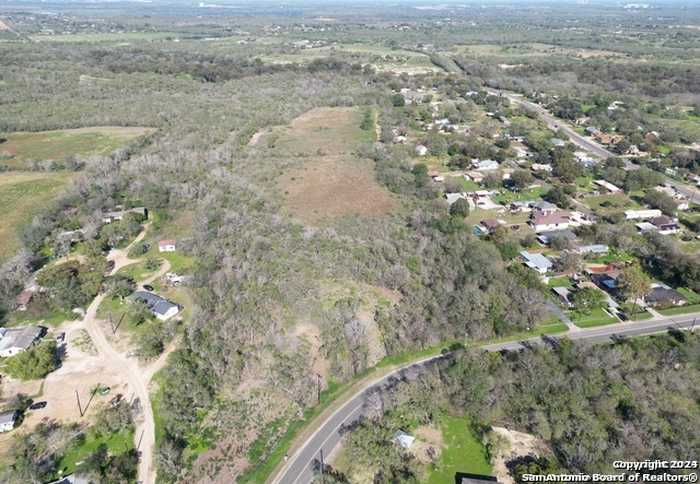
(520, 179)
(662, 201)
(367, 120)
(398, 101)
(152, 342)
(121, 286)
(633, 283)
(152, 263)
(139, 312)
(558, 196)
(588, 298)
(460, 208)
(34, 363)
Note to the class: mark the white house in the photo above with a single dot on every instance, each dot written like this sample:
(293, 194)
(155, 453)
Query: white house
(485, 165)
(17, 340)
(549, 222)
(593, 249)
(607, 185)
(542, 167)
(558, 142)
(642, 214)
(160, 307)
(403, 439)
(167, 246)
(537, 262)
(8, 420)
(453, 197)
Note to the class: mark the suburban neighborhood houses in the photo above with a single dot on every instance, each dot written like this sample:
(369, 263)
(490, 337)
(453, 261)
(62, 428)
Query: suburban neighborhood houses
(552, 211)
(384, 242)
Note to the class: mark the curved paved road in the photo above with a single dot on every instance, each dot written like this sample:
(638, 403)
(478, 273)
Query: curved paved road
(299, 469)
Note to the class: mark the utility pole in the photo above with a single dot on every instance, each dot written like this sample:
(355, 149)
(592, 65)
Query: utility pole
(318, 388)
(323, 470)
(77, 397)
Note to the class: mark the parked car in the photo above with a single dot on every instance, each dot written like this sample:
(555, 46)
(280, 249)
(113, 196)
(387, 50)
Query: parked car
(148, 287)
(38, 405)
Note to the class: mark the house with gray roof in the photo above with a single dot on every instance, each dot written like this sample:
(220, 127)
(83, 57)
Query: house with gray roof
(16, 340)
(160, 307)
(8, 420)
(538, 262)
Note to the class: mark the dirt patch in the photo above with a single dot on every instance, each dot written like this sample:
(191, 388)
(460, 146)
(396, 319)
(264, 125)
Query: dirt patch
(370, 298)
(428, 444)
(330, 182)
(515, 444)
(310, 335)
(80, 372)
(4, 26)
(255, 139)
(331, 187)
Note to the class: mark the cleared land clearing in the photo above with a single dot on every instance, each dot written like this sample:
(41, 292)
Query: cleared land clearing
(22, 195)
(57, 145)
(331, 182)
(533, 50)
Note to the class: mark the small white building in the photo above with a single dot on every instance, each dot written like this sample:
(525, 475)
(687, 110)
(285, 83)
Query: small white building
(542, 167)
(593, 249)
(537, 262)
(167, 246)
(607, 185)
(403, 439)
(421, 150)
(559, 143)
(550, 222)
(16, 340)
(8, 420)
(453, 197)
(485, 165)
(642, 214)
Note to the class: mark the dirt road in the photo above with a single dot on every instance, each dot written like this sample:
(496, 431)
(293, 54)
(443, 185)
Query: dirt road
(136, 376)
(145, 428)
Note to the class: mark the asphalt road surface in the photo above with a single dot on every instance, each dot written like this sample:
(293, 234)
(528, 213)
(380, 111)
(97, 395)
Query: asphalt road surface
(300, 467)
(556, 124)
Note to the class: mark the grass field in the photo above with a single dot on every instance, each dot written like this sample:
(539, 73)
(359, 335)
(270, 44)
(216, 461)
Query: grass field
(640, 316)
(604, 204)
(691, 296)
(690, 308)
(596, 317)
(563, 281)
(22, 195)
(331, 182)
(507, 196)
(21, 147)
(117, 443)
(463, 452)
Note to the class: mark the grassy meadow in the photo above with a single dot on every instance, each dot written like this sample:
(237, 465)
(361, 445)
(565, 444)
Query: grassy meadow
(22, 147)
(22, 195)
